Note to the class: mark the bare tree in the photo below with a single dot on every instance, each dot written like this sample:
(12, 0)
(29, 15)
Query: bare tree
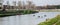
(14, 3)
(24, 5)
(8, 4)
(3, 9)
(29, 4)
(1, 4)
(19, 4)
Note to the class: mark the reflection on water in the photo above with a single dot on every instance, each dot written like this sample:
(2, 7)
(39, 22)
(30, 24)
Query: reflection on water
(29, 19)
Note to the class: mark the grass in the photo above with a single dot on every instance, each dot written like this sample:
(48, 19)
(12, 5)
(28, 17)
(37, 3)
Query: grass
(52, 21)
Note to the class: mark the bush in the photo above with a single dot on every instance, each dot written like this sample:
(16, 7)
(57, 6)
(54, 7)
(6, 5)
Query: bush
(9, 13)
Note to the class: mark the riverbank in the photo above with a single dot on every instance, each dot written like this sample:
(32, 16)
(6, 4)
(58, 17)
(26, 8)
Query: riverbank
(15, 12)
(53, 21)
(49, 10)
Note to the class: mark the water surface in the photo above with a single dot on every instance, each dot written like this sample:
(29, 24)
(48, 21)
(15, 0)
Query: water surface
(29, 19)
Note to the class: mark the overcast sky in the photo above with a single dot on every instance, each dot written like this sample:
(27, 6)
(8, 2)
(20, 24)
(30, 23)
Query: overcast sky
(39, 2)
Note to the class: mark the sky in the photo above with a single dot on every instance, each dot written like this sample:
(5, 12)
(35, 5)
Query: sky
(38, 2)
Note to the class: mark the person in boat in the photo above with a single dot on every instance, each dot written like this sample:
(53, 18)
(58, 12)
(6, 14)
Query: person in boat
(44, 15)
(38, 16)
(47, 19)
(33, 15)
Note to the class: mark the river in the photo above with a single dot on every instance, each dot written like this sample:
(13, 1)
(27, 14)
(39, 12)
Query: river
(28, 19)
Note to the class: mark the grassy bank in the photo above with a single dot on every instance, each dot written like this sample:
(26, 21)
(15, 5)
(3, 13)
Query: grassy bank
(53, 21)
(15, 12)
(50, 10)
